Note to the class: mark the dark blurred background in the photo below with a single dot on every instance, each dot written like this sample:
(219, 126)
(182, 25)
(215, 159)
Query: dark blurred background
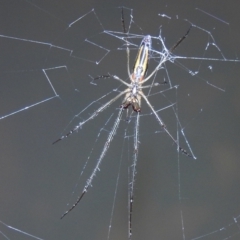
(175, 197)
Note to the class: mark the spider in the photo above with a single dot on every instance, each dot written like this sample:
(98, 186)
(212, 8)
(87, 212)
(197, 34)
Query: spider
(133, 96)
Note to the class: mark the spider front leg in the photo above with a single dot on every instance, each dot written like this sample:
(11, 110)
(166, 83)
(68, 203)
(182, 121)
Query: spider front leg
(180, 40)
(166, 55)
(127, 49)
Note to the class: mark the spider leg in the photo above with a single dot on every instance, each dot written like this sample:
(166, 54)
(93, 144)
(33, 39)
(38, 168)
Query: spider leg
(99, 161)
(128, 57)
(102, 76)
(133, 174)
(127, 50)
(102, 108)
(156, 84)
(164, 126)
(122, 81)
(115, 77)
(165, 57)
(180, 40)
(123, 22)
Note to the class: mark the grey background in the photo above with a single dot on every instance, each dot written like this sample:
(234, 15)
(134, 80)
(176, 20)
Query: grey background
(37, 179)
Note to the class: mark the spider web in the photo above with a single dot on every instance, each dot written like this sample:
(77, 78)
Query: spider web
(51, 53)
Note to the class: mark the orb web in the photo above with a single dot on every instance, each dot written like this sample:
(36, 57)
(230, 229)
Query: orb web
(51, 53)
